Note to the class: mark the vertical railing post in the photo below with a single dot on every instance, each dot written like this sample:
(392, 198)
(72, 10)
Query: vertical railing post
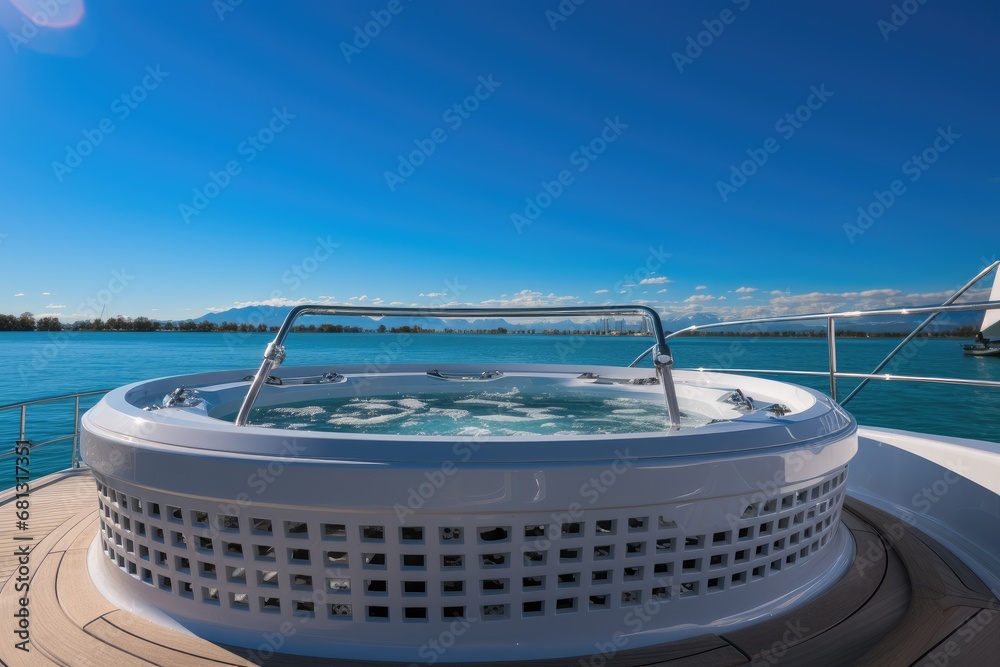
(24, 416)
(831, 344)
(75, 461)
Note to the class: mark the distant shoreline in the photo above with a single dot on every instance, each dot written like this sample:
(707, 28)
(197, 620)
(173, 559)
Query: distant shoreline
(956, 335)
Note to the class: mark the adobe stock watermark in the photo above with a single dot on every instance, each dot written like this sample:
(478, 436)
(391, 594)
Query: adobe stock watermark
(248, 150)
(922, 502)
(47, 13)
(642, 275)
(591, 490)
(121, 108)
(944, 653)
(417, 495)
(297, 274)
(562, 12)
(898, 17)
(786, 126)
(454, 116)
(433, 649)
(223, 7)
(580, 159)
(915, 167)
(793, 634)
(257, 481)
(392, 351)
(697, 43)
(364, 34)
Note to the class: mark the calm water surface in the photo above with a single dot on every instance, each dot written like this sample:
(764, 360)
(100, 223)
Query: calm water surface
(38, 364)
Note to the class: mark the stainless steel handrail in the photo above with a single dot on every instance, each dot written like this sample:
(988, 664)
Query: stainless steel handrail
(274, 354)
(831, 317)
(913, 334)
(75, 435)
(869, 376)
(915, 310)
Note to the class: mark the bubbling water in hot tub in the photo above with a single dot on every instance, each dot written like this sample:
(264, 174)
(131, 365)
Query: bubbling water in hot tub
(506, 413)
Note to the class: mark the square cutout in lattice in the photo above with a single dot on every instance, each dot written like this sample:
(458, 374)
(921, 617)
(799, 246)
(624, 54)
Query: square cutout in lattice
(565, 605)
(494, 612)
(535, 557)
(533, 608)
(452, 587)
(450, 535)
(333, 531)
(638, 524)
(493, 586)
(411, 534)
(341, 611)
(296, 529)
(373, 533)
(494, 534)
(452, 612)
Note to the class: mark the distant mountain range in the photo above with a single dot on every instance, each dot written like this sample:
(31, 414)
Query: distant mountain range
(275, 315)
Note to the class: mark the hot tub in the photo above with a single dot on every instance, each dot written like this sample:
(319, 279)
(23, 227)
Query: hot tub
(494, 540)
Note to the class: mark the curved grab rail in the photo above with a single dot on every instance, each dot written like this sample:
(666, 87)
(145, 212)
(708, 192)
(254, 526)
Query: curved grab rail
(274, 354)
(22, 407)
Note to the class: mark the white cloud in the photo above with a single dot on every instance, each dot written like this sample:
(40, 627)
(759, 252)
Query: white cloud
(695, 298)
(53, 305)
(397, 303)
(744, 298)
(601, 291)
(745, 290)
(434, 295)
(661, 291)
(776, 292)
(46, 293)
(864, 300)
(698, 287)
(531, 298)
(19, 294)
(722, 298)
(878, 292)
(276, 302)
(659, 280)
(214, 309)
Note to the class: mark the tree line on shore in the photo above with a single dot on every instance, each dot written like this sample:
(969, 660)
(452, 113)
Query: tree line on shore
(27, 322)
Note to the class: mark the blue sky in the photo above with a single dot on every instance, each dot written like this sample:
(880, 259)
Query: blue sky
(165, 159)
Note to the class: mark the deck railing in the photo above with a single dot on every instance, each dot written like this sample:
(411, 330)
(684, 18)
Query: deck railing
(74, 435)
(274, 354)
(832, 373)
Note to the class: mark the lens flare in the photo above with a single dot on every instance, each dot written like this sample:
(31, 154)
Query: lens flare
(51, 13)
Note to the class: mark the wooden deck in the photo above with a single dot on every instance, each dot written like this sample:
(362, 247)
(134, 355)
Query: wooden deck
(906, 601)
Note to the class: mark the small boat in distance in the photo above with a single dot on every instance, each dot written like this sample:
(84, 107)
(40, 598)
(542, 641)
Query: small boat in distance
(983, 346)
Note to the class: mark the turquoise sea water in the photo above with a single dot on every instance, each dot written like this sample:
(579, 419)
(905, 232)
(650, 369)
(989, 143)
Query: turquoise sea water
(501, 413)
(40, 364)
